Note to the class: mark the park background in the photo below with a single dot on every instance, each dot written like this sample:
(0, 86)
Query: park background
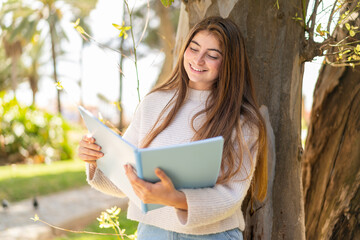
(89, 75)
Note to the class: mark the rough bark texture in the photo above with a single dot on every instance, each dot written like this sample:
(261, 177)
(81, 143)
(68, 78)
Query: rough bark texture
(273, 41)
(166, 32)
(332, 157)
(331, 166)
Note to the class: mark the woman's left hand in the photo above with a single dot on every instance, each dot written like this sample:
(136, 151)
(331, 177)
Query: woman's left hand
(162, 192)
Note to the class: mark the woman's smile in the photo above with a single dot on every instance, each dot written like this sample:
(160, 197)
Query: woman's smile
(202, 60)
(196, 69)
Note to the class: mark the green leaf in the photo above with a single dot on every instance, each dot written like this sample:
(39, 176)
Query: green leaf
(318, 29)
(76, 23)
(117, 211)
(59, 86)
(35, 218)
(80, 30)
(167, 3)
(357, 48)
(297, 18)
(118, 27)
(277, 4)
(321, 32)
(352, 33)
(122, 29)
(348, 27)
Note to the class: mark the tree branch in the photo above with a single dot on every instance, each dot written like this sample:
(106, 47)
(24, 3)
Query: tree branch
(313, 20)
(330, 17)
(311, 49)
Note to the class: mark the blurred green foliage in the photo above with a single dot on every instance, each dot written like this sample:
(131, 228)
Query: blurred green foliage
(28, 134)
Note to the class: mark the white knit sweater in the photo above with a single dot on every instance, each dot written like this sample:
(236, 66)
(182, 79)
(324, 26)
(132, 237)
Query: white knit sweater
(210, 210)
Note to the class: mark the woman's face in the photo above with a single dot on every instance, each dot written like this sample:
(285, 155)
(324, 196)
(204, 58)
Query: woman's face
(202, 60)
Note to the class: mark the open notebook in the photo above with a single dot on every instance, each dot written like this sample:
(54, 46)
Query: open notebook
(190, 165)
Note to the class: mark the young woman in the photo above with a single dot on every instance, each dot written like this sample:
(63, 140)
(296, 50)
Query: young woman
(210, 93)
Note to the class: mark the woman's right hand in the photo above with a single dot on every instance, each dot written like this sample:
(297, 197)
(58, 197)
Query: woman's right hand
(88, 150)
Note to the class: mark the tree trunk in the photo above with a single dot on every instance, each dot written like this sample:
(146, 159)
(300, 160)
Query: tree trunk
(166, 32)
(33, 80)
(53, 51)
(121, 76)
(331, 166)
(121, 124)
(13, 50)
(81, 66)
(14, 62)
(274, 42)
(331, 160)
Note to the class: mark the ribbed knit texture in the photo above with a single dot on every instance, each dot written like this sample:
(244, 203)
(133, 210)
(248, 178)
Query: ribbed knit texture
(210, 210)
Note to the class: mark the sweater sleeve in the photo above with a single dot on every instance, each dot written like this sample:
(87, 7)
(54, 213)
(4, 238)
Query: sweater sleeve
(97, 180)
(210, 205)
(95, 176)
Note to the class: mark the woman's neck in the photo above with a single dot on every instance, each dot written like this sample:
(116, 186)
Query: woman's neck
(198, 95)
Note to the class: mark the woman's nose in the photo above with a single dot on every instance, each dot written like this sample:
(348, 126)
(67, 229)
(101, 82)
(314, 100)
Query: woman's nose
(199, 59)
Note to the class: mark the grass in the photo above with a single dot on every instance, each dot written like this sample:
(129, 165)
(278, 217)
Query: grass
(18, 182)
(129, 225)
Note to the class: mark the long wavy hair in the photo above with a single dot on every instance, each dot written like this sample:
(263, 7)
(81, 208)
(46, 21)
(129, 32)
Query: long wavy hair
(232, 95)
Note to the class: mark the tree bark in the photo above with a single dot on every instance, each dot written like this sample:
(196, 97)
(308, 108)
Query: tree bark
(331, 160)
(33, 80)
(121, 124)
(53, 51)
(331, 166)
(274, 42)
(166, 32)
(13, 50)
(14, 71)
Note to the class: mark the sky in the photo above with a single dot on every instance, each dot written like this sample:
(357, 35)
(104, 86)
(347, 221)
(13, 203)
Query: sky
(100, 72)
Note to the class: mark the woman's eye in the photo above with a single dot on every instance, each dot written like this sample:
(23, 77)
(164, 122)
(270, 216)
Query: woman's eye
(193, 49)
(212, 57)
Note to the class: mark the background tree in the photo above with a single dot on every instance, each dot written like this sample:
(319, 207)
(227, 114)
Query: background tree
(121, 123)
(158, 37)
(32, 72)
(29, 19)
(331, 166)
(82, 11)
(6, 81)
(13, 51)
(17, 31)
(164, 36)
(5, 72)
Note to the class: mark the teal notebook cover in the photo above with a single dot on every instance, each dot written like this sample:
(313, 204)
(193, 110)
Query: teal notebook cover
(189, 165)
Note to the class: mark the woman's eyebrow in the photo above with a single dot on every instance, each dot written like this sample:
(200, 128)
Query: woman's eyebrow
(210, 49)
